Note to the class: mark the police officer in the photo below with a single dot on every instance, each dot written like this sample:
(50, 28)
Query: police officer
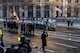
(21, 38)
(43, 37)
(1, 37)
(24, 43)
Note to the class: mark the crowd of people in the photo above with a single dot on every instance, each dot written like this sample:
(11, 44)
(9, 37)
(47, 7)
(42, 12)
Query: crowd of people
(12, 26)
(24, 45)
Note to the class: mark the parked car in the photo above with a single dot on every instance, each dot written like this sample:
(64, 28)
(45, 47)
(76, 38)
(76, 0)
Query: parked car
(39, 24)
(51, 24)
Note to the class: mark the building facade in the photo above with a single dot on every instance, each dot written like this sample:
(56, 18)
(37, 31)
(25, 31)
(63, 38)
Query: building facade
(39, 8)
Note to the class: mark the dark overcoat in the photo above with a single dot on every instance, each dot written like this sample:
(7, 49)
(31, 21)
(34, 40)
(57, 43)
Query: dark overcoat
(43, 37)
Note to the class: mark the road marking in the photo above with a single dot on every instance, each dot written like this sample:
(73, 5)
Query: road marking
(49, 50)
(60, 44)
(55, 33)
(37, 34)
(69, 38)
(64, 37)
(39, 50)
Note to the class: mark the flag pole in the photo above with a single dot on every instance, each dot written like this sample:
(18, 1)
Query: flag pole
(13, 7)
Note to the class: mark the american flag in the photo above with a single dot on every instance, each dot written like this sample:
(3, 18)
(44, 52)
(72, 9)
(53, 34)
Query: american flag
(21, 10)
(57, 9)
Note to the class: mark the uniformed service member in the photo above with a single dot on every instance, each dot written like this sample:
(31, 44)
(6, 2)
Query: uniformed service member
(1, 37)
(43, 38)
(21, 38)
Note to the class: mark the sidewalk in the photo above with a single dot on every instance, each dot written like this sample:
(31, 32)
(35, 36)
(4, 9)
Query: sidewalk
(61, 24)
(64, 24)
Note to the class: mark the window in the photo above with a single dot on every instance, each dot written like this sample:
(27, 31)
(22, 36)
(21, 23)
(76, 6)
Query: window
(69, 11)
(11, 9)
(30, 13)
(38, 7)
(69, 1)
(30, 7)
(46, 7)
(68, 14)
(46, 13)
(76, 1)
(38, 14)
(76, 12)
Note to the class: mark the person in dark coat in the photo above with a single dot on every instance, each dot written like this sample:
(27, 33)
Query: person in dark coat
(43, 37)
(30, 28)
(68, 21)
(71, 22)
(22, 27)
(5, 24)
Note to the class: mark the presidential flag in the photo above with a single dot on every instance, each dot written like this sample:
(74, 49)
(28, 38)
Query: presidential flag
(58, 9)
(21, 10)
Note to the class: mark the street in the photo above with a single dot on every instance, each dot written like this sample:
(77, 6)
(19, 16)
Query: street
(63, 40)
(24, 23)
(66, 38)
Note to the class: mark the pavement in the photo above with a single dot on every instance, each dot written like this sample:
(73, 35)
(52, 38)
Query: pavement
(35, 42)
(66, 35)
(64, 24)
(52, 46)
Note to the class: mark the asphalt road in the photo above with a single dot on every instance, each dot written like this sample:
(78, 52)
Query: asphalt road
(66, 38)
(58, 46)
(62, 40)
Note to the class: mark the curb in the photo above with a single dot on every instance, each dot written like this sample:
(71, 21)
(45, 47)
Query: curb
(68, 27)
